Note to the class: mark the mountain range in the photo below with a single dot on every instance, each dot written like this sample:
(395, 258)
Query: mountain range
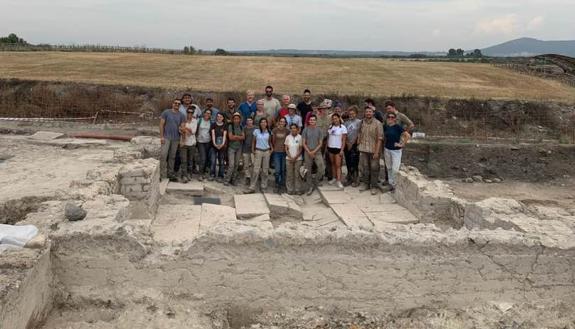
(530, 47)
(522, 47)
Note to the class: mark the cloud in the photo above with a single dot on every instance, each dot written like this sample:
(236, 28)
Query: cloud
(535, 23)
(506, 25)
(436, 33)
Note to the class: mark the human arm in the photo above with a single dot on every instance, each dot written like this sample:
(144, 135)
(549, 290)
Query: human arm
(377, 150)
(343, 140)
(408, 123)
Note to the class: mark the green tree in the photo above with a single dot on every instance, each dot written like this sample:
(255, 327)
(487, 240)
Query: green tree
(452, 53)
(460, 52)
(220, 52)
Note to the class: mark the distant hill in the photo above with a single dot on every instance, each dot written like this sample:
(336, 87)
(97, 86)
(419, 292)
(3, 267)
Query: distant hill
(336, 53)
(531, 47)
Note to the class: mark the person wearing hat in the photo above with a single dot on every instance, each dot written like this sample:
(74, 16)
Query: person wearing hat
(236, 137)
(292, 117)
(188, 147)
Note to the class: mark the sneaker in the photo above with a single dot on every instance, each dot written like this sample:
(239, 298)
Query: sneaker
(339, 185)
(373, 191)
(355, 184)
(333, 181)
(201, 178)
(183, 179)
(189, 177)
(249, 191)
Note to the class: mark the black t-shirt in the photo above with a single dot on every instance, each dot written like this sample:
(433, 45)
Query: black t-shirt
(219, 132)
(304, 109)
(392, 135)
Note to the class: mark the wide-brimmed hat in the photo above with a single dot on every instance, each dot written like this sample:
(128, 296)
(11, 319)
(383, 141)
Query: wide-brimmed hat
(326, 104)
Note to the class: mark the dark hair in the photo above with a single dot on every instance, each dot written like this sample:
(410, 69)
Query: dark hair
(353, 108)
(280, 119)
(231, 99)
(207, 110)
(260, 124)
(313, 116)
(220, 113)
(338, 116)
(293, 125)
(269, 87)
(184, 95)
(307, 91)
(209, 99)
(389, 103)
(370, 101)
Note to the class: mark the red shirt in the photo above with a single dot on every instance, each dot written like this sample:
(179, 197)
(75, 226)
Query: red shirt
(283, 112)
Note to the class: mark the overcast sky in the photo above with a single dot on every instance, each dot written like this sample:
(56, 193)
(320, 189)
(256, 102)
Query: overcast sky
(408, 25)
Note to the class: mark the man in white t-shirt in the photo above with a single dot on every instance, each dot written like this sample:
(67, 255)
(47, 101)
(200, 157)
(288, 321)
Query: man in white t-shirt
(188, 147)
(294, 150)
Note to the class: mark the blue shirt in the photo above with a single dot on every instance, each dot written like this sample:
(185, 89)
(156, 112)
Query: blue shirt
(262, 139)
(173, 122)
(392, 135)
(295, 119)
(247, 110)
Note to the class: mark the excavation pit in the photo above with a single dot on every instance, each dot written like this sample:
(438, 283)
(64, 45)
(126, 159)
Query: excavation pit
(158, 254)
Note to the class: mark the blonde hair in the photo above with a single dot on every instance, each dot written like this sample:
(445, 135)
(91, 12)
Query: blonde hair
(250, 92)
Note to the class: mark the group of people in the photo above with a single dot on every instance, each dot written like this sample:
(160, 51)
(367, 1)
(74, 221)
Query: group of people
(303, 143)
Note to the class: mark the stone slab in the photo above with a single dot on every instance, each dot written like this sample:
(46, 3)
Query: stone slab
(352, 216)
(176, 224)
(194, 188)
(250, 205)
(402, 216)
(334, 197)
(282, 205)
(318, 212)
(45, 135)
(213, 215)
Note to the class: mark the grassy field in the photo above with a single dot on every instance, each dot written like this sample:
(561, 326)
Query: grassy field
(378, 77)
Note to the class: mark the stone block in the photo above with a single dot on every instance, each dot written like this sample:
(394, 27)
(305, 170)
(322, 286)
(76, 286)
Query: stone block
(45, 135)
(176, 224)
(194, 188)
(250, 205)
(352, 216)
(283, 205)
(334, 197)
(213, 215)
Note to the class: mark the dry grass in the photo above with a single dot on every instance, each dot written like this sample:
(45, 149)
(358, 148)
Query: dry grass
(377, 77)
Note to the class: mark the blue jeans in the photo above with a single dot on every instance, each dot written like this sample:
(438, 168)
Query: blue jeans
(218, 155)
(279, 159)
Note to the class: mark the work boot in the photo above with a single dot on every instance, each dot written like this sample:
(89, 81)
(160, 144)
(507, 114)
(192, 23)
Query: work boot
(310, 191)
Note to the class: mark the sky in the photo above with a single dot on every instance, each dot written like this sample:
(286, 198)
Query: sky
(399, 25)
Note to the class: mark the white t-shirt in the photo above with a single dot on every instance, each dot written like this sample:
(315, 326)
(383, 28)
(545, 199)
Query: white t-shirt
(191, 136)
(293, 144)
(335, 133)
